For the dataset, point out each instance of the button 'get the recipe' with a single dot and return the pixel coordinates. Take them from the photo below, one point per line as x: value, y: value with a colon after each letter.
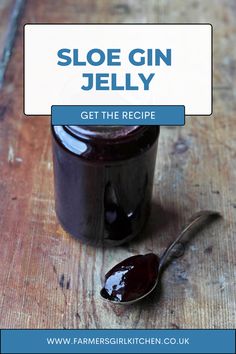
x: 116, y: 115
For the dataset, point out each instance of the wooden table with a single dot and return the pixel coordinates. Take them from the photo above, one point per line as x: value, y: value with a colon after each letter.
x: 47, y: 279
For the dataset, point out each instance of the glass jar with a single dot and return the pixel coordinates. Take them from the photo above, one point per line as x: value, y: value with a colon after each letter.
x: 103, y: 180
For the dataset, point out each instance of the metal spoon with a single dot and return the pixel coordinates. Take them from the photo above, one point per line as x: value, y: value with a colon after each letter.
x: 119, y: 272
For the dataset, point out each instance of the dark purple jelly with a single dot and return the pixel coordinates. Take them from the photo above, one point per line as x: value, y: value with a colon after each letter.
x: 131, y: 279
x: 103, y: 180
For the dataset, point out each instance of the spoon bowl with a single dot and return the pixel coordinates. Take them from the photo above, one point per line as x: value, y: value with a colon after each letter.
x: 134, y: 300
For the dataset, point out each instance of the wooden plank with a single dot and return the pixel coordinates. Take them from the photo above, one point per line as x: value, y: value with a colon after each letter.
x: 10, y: 11
x: 48, y: 281
x: 5, y: 13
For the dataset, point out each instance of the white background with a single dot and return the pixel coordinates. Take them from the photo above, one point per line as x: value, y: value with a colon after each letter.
x: 186, y: 82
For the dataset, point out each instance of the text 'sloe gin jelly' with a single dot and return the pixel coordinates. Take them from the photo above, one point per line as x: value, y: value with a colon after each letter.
x: 103, y: 180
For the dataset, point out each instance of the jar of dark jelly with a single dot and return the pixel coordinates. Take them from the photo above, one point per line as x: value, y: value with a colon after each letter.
x: 103, y: 180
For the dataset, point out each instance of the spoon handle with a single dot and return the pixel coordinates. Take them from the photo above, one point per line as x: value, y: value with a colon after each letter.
x: 191, y: 223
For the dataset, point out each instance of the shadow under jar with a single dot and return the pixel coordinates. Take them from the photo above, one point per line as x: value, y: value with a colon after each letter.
x: 103, y: 180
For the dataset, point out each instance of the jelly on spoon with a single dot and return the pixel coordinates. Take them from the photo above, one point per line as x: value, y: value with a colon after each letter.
x: 136, y: 277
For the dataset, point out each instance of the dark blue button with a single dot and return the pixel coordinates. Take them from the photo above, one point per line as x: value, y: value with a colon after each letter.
x: 118, y: 115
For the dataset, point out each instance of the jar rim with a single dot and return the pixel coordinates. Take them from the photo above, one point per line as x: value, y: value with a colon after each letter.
x: 104, y: 132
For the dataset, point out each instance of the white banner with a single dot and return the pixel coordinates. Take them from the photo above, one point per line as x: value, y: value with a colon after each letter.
x: 118, y: 65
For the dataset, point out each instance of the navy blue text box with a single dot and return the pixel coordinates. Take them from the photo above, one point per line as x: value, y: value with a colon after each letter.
x: 118, y: 115
x: 117, y: 341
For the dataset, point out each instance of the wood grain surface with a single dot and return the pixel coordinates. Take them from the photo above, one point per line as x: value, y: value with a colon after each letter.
x: 5, y: 14
x: 47, y: 279
x: 10, y: 11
